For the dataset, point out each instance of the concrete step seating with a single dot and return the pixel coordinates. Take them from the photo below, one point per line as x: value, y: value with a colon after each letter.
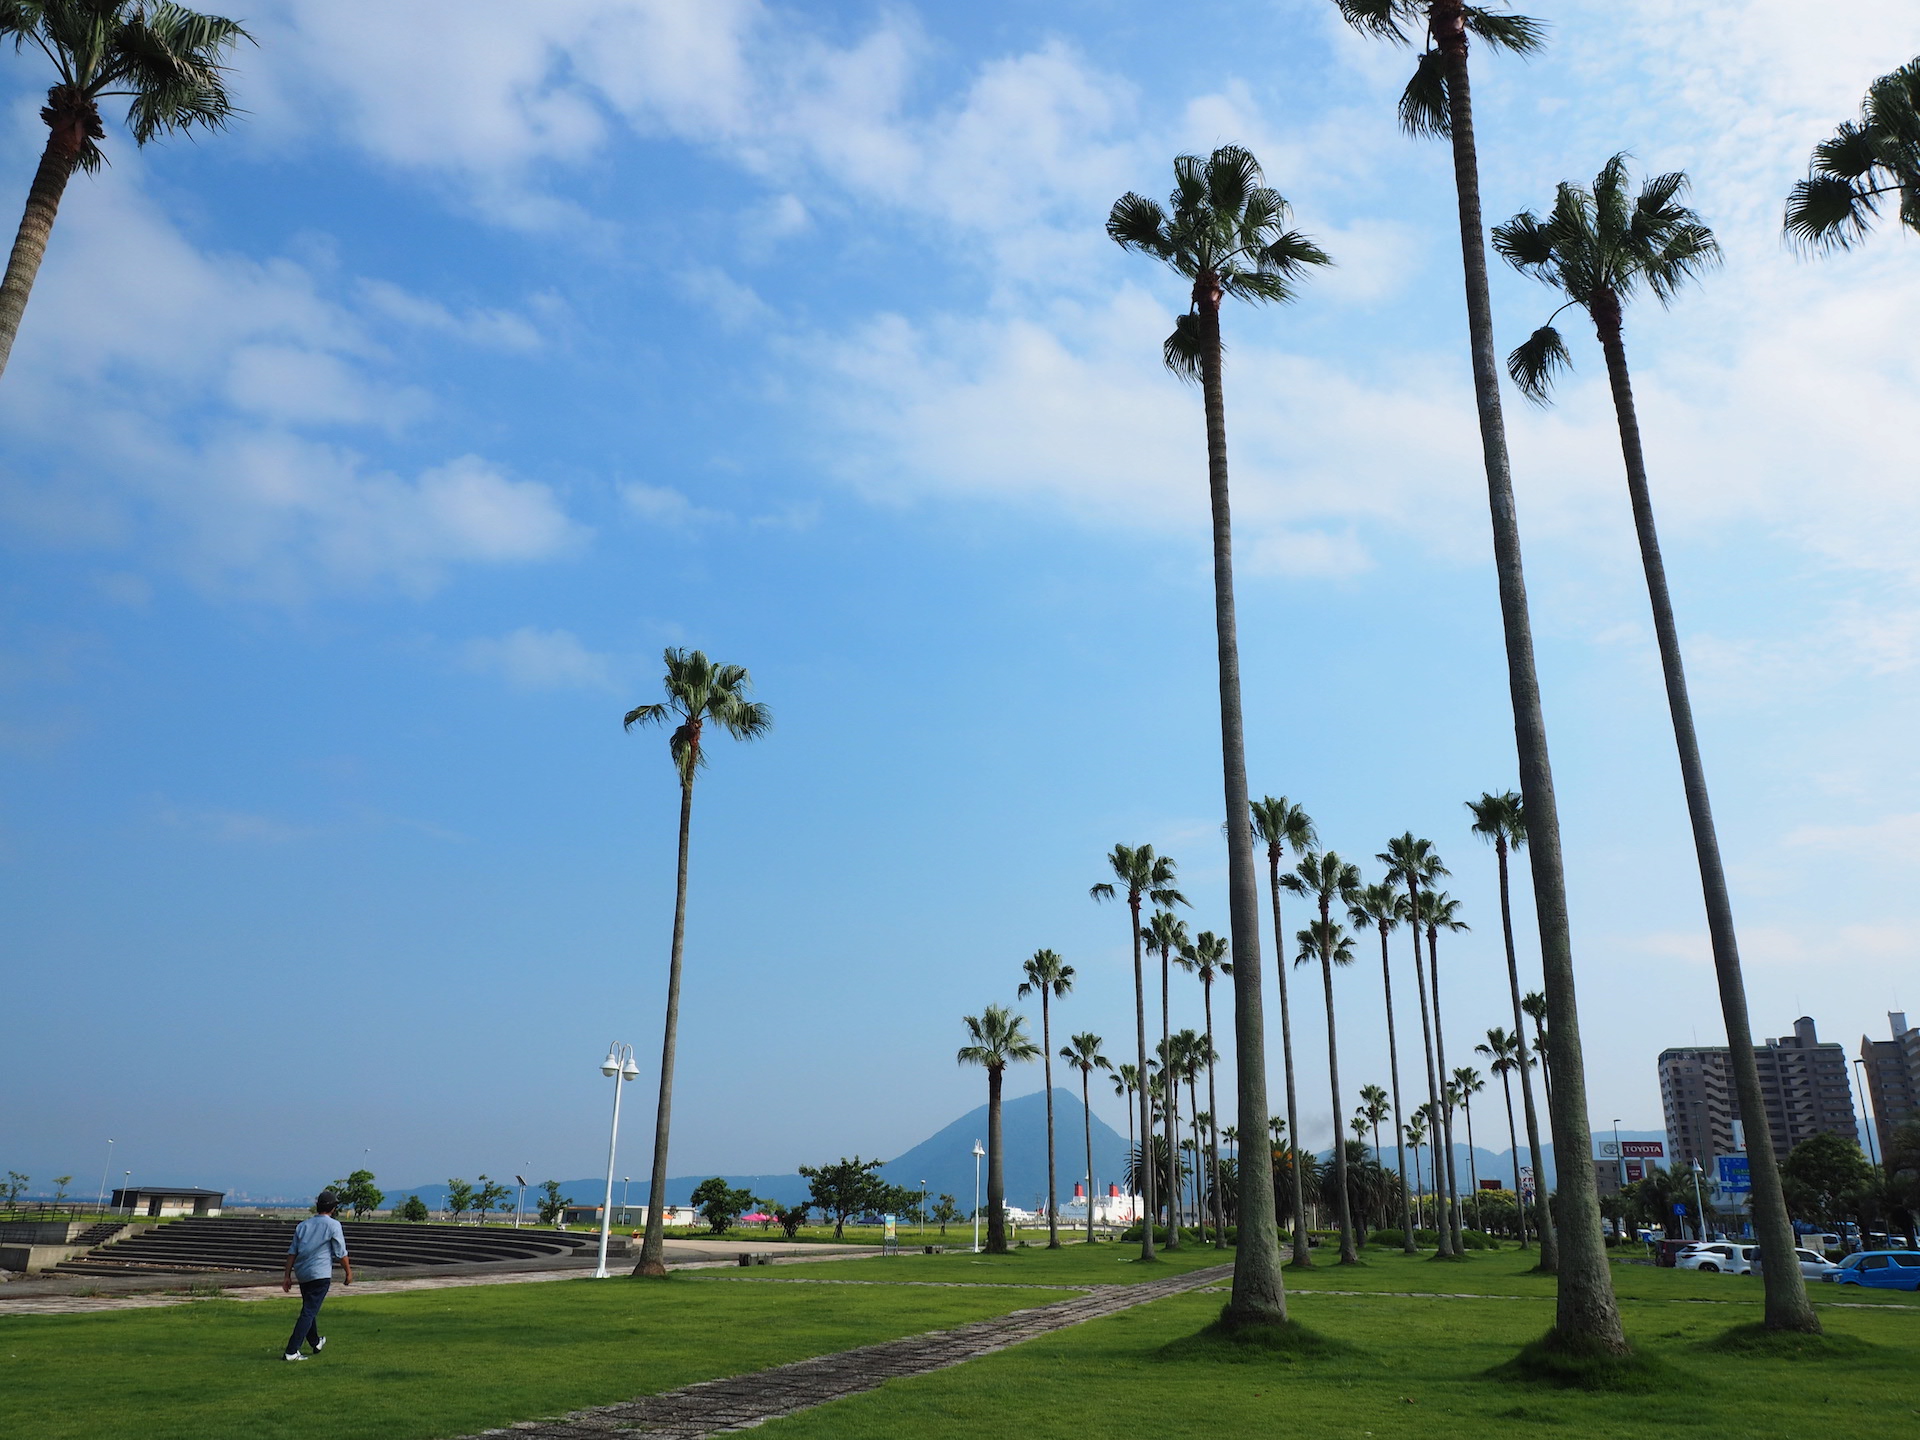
x: 99, y: 1234
x: 205, y: 1243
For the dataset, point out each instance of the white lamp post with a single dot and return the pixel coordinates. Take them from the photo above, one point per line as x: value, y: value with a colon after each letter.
x: 1699, y: 1210
x: 619, y: 1068
x: 518, y: 1198
x: 923, y: 1209
x: 103, y: 1176
x: 978, y: 1151
x: 626, y: 1213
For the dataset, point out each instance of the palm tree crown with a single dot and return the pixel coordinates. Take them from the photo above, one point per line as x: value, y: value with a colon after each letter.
x: 700, y: 691
x: 999, y: 1039
x: 1423, y: 104
x: 1865, y: 160
x: 1047, y: 974
x: 1224, y: 230
x: 1499, y: 819
x: 1597, y: 248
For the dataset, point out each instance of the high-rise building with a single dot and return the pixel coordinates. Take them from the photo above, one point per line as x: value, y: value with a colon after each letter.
x: 1803, y: 1083
x: 1893, y: 1075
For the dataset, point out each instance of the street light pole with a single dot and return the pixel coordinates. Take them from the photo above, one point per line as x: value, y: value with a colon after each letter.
x: 626, y: 1216
x: 518, y: 1198
x: 978, y: 1151
x: 1860, y: 1078
x: 1619, y: 1155
x: 106, y: 1170
x: 1699, y: 1206
x: 618, y: 1067
x: 923, y: 1209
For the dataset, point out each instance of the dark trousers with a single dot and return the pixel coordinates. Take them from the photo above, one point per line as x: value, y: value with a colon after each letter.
x: 307, y: 1328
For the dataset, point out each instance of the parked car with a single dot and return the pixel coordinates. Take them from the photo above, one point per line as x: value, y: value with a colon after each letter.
x: 1718, y: 1256
x: 1813, y: 1265
x: 1879, y: 1270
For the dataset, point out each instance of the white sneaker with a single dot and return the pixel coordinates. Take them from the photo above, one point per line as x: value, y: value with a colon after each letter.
x: 319, y: 1344
x: 295, y: 1356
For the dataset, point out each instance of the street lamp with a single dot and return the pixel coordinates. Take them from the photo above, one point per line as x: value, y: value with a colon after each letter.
x: 978, y: 1151
x: 619, y: 1068
x: 1699, y: 1207
x: 1619, y: 1156
x: 126, y: 1185
x: 923, y: 1209
x: 104, y: 1172
x: 1860, y: 1077
x: 522, y: 1195
x: 626, y: 1215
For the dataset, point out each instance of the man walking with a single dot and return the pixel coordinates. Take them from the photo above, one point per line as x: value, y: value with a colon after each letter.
x: 317, y: 1242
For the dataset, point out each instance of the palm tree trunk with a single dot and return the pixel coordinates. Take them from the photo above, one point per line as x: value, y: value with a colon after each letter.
x: 1086, y: 1114
x: 1586, y: 1312
x: 1513, y: 1145
x: 1446, y: 1104
x: 1343, y: 1212
x: 57, y: 162
x: 1543, y: 1216
x: 1213, y: 1133
x: 1302, y: 1256
x: 1393, y: 1069
x: 1259, y: 1290
x: 1173, y: 1109
x: 653, y: 1248
x: 1787, y: 1306
x: 1046, y: 1055
x: 1146, y: 1117
x: 1443, y: 1249
x: 996, y: 1167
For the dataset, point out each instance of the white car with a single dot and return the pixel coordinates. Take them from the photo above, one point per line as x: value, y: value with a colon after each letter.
x: 1731, y: 1258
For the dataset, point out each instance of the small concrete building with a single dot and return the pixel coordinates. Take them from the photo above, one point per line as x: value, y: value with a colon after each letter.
x: 155, y: 1201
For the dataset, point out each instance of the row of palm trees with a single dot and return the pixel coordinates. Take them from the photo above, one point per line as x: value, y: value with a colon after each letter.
x: 1227, y: 234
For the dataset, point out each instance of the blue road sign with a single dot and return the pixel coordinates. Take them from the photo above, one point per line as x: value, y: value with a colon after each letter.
x: 1736, y: 1178
x: 1678, y: 1208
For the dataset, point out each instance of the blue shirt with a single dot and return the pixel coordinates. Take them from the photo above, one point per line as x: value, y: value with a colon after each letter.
x: 317, y: 1243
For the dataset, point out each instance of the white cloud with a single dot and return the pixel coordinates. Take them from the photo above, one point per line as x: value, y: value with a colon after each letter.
x: 663, y: 505
x: 533, y: 659
x: 489, y: 329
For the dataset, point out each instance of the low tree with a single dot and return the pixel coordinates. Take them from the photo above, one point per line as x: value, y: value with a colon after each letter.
x: 844, y: 1189
x: 414, y: 1211
x: 359, y: 1194
x: 790, y: 1216
x: 459, y: 1198
x: 1819, y: 1173
x: 490, y: 1196
x: 60, y: 1184
x: 15, y: 1187
x: 550, y: 1203
x: 719, y: 1204
x: 946, y: 1210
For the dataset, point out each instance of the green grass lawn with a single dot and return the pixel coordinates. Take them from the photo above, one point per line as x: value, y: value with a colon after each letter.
x: 448, y: 1362
x: 435, y: 1362
x: 1412, y: 1368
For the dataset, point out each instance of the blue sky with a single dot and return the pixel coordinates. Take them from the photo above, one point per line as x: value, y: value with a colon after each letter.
x: 359, y: 462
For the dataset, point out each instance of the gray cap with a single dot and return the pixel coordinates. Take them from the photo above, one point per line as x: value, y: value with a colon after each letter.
x: 327, y: 1201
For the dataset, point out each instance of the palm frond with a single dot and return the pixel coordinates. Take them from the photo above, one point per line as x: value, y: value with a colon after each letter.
x: 1394, y: 20
x: 1233, y: 179
x: 1516, y: 33
x: 1137, y: 223
x: 1183, y: 350
x: 1535, y: 362
x: 1827, y: 212
x: 1523, y: 242
x: 1423, y: 104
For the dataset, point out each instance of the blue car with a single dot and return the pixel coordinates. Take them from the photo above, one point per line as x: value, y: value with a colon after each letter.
x: 1880, y: 1270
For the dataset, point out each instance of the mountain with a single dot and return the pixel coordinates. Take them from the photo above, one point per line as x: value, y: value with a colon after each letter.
x: 944, y: 1161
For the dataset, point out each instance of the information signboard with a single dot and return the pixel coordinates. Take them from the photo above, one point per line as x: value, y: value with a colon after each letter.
x: 1734, y: 1175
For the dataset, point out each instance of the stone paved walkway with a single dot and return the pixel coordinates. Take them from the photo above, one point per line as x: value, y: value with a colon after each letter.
x: 717, y: 1407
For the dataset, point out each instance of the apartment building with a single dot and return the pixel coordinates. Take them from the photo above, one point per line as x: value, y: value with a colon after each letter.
x: 1893, y: 1074
x: 1803, y: 1085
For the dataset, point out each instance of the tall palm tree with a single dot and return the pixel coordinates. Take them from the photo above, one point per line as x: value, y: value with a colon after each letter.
x: 165, y: 61
x: 1415, y: 1132
x: 1535, y: 1004
x: 1416, y: 863
x: 1440, y: 911
x: 1126, y: 1084
x: 699, y: 693
x: 1328, y: 942
x: 1598, y: 248
x: 1166, y: 933
x: 1226, y: 234
x: 1877, y: 156
x: 1207, y: 958
x: 1501, y: 820
x: 1082, y: 1053
x: 1439, y: 101
x: 997, y: 1038
x: 1467, y: 1083
x: 1051, y: 976
x: 1503, y: 1050
x: 1280, y: 826
x: 1142, y: 876
x: 1383, y: 907
x: 1231, y: 1134
x: 1374, y: 1108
